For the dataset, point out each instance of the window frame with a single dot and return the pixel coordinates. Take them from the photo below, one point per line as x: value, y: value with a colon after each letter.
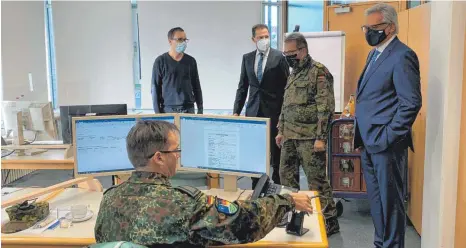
x: 280, y: 31
x: 136, y: 56
x: 51, y: 63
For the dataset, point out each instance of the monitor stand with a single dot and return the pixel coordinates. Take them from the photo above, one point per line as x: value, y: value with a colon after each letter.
x: 230, y: 183
x: 19, y: 144
x: 19, y: 138
x: 69, y: 152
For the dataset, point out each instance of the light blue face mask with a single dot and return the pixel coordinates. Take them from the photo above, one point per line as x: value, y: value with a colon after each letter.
x: 181, y: 47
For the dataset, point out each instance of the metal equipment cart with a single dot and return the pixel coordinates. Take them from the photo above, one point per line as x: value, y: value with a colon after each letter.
x: 344, y: 164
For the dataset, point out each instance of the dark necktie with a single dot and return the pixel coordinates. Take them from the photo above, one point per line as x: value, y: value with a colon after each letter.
x: 259, y: 67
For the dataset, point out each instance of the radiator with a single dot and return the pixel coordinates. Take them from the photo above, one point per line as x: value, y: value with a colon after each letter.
x: 14, y: 175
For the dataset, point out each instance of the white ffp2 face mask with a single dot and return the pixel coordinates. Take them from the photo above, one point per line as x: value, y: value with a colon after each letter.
x: 263, y: 45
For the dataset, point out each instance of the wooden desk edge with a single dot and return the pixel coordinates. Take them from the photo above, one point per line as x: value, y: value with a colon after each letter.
x: 38, y: 161
x: 323, y: 231
x: 32, y: 240
x: 280, y: 244
x: 48, y: 147
x: 36, y: 166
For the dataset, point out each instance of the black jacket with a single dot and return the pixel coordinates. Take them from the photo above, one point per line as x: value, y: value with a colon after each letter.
x: 266, y: 97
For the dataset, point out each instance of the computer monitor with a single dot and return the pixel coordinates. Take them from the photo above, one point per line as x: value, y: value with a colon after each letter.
x: 68, y: 112
x: 99, y: 143
x: 235, y: 146
x: 35, y: 117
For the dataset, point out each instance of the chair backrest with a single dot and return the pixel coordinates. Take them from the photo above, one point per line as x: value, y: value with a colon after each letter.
x: 92, y: 185
x: 117, y: 244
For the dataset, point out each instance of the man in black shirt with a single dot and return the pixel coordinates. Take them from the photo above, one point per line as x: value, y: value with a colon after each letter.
x: 175, y: 80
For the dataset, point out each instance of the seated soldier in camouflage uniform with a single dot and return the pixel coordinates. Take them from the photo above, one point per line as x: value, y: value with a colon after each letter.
x: 147, y: 210
x: 303, y: 126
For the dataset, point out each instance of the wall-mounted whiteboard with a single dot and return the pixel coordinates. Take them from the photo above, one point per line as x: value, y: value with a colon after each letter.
x: 328, y: 48
x: 219, y: 32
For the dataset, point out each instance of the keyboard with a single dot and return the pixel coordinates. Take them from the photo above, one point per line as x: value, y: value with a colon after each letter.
x: 276, y: 189
x: 273, y: 189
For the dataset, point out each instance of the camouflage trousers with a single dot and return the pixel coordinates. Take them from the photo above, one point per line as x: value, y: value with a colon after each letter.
x: 301, y: 152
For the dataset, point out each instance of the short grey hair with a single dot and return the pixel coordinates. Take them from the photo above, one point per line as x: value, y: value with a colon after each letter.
x: 388, y: 12
x: 146, y: 138
x: 299, y: 38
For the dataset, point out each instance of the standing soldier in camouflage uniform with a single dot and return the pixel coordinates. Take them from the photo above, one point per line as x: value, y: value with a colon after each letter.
x: 147, y: 210
x: 307, y: 110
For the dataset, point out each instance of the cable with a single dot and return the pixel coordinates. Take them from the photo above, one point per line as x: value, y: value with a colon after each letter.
x: 30, y: 142
x: 6, y: 178
x: 7, y: 193
x: 25, y: 143
x: 240, y: 194
x: 211, y: 177
x: 8, y: 154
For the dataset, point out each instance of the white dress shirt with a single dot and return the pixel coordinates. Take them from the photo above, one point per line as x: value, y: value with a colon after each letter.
x: 264, y: 61
x: 383, y: 46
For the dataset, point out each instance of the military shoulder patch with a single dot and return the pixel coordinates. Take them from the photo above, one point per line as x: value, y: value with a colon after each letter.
x: 225, y: 207
x: 318, y: 64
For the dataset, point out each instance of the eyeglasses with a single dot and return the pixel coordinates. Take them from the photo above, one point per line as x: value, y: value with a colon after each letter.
x: 379, y: 26
x: 173, y: 151
x: 291, y: 52
x: 180, y: 40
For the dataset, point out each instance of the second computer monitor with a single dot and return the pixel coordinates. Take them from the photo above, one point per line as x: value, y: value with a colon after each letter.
x: 68, y: 112
x: 100, y: 143
x: 226, y: 145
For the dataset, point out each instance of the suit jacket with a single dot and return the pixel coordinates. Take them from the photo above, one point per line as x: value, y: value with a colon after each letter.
x: 265, y: 97
x: 388, y: 99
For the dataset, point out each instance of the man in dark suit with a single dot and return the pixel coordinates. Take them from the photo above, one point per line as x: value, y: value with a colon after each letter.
x: 387, y: 103
x: 263, y: 73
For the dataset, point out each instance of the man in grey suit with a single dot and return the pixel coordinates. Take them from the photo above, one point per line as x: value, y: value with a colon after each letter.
x: 263, y: 73
x: 387, y: 103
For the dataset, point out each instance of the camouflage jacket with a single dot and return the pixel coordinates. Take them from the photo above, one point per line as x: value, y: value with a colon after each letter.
x: 309, y: 102
x: 146, y: 210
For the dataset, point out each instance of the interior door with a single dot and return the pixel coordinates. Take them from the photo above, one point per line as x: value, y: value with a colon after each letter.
x: 356, y: 45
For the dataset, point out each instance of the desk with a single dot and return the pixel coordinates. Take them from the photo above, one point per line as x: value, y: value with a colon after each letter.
x: 79, y: 235
x: 82, y: 234
x: 53, y: 159
x: 316, y: 237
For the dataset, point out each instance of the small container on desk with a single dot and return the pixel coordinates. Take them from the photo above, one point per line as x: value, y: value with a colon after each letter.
x: 344, y: 170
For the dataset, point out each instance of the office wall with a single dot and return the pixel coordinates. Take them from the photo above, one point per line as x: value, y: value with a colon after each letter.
x: 356, y: 45
x: 418, y: 39
x: 23, y: 50
x: 94, y: 50
x: 403, y: 21
x: 93, y: 41
x: 442, y: 144
x: 460, y: 236
x: 219, y: 33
